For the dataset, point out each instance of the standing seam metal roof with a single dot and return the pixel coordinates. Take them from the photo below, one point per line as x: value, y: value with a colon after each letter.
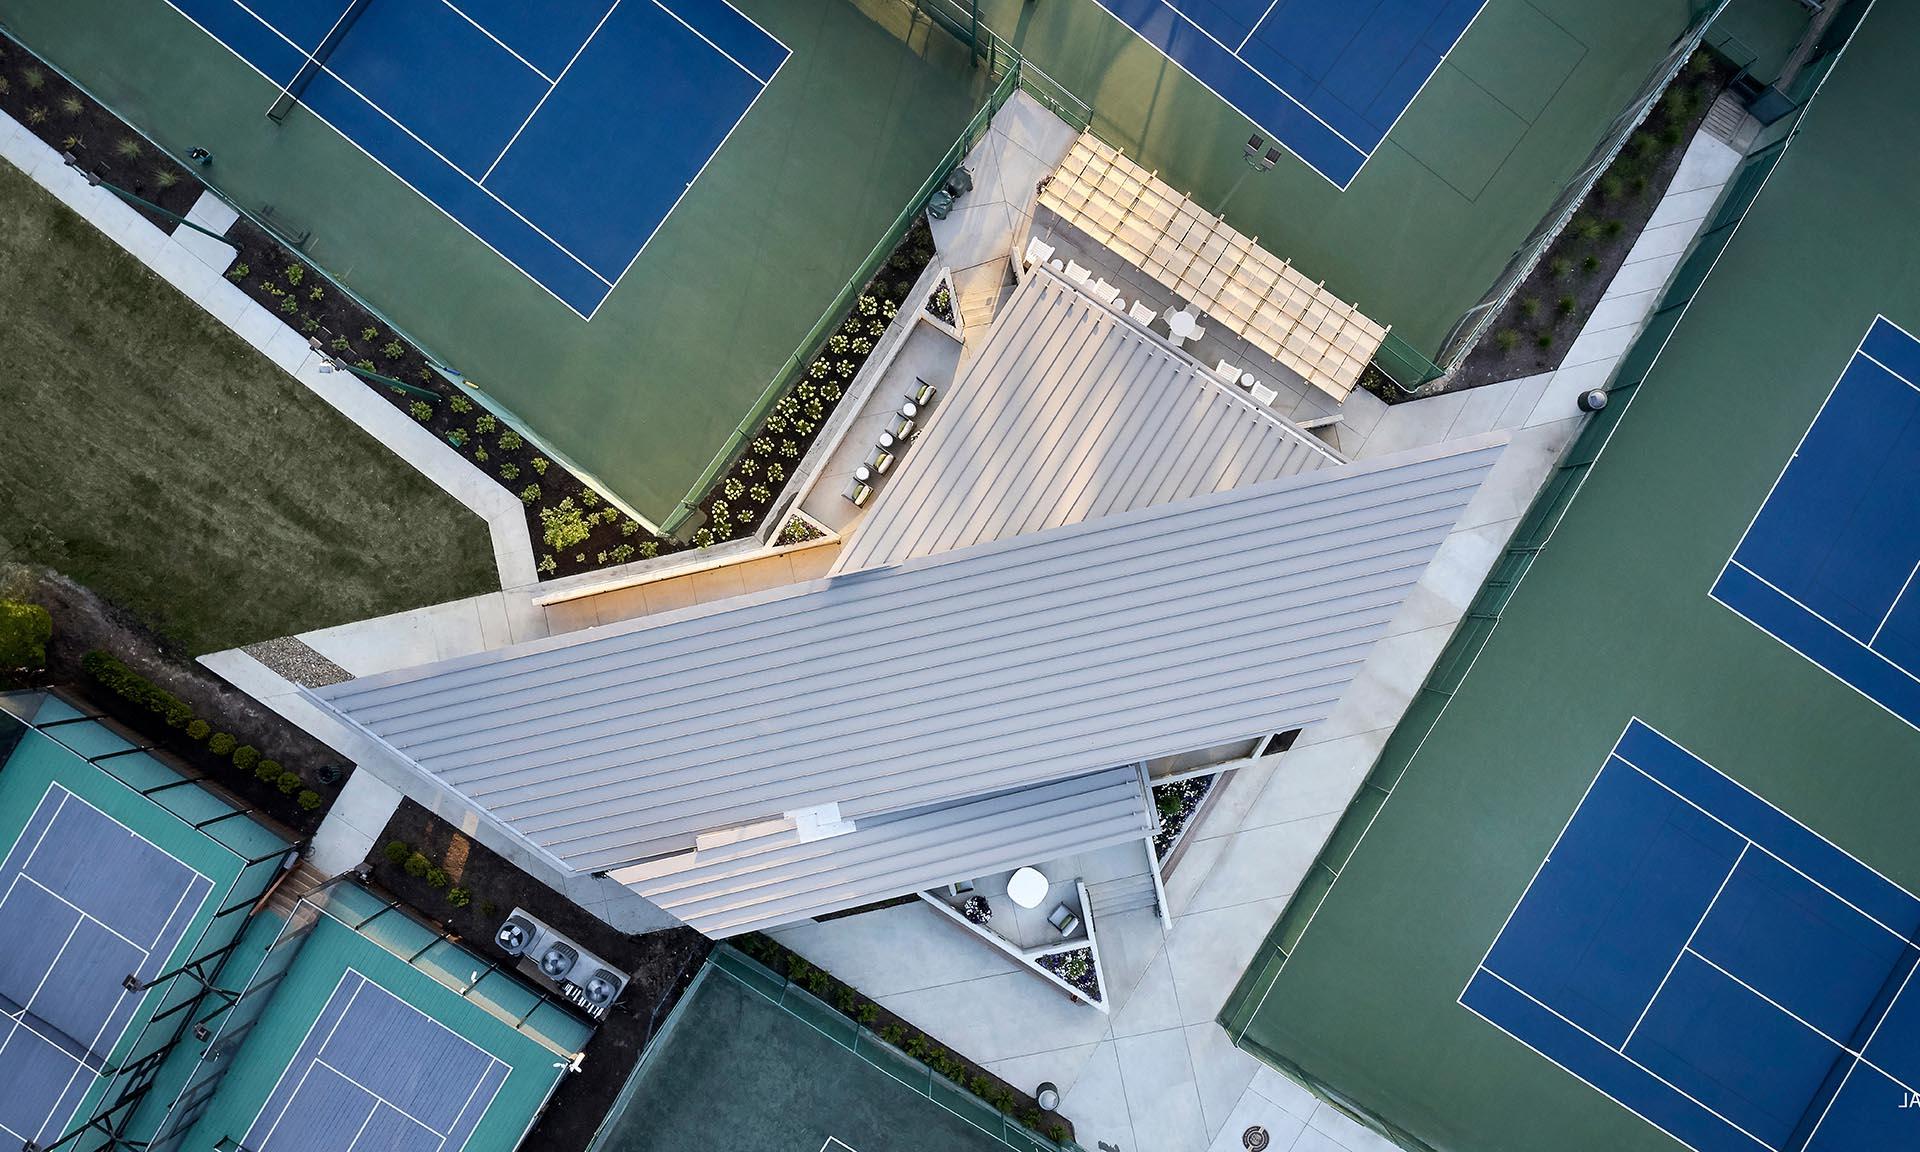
x: 1041, y: 657
x: 1070, y: 412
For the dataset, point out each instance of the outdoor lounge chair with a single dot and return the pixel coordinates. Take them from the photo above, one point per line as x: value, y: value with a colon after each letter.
x: 902, y: 427
x: 1037, y: 253
x: 923, y: 392
x: 1103, y: 291
x: 1076, y: 273
x: 1139, y: 311
x: 857, y: 492
x: 1263, y: 394
x: 1228, y: 372
x: 880, y: 461
x: 1064, y: 921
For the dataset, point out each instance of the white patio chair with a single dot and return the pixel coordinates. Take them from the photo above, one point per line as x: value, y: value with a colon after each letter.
x: 1228, y: 372
x: 1076, y: 273
x: 1263, y: 394
x: 1037, y: 253
x: 1139, y: 311
x: 1102, y: 291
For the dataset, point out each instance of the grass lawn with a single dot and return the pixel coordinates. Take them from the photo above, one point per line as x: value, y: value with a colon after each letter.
x: 147, y: 452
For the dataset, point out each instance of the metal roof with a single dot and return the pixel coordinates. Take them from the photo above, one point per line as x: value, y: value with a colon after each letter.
x: 1070, y: 412
x: 777, y: 878
x: 1040, y: 657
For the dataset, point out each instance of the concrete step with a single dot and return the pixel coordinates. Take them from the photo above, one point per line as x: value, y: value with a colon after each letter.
x: 1122, y: 895
x: 304, y: 879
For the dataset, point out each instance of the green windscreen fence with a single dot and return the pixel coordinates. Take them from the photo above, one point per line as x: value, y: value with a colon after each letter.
x: 1423, y: 713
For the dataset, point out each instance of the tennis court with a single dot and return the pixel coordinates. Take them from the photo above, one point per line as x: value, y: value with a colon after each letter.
x: 1827, y: 566
x: 1328, y: 78
x: 376, y: 1072
x: 87, y: 907
x: 521, y: 122
x: 1713, y: 965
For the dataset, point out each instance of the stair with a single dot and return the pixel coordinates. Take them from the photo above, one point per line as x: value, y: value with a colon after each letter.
x: 1123, y: 895
x: 304, y: 879
x: 1726, y: 119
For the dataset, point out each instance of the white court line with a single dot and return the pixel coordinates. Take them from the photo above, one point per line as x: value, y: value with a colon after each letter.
x: 286, y: 92
x: 381, y: 1099
x: 1796, y: 602
x: 1883, y: 365
x: 288, y: 1070
x: 1768, y: 852
x: 83, y: 913
x: 448, y: 213
x: 1650, y: 1072
x: 1902, y: 595
x: 1684, y: 948
x: 541, y: 103
x: 1271, y: 5
x: 482, y: 28
x: 362, y: 1130
x: 710, y: 43
x: 1859, y: 1057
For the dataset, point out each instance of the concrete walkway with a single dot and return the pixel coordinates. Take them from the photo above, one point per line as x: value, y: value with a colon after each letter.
x: 1159, y: 1075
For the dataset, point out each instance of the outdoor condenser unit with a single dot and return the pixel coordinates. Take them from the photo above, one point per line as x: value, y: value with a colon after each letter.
x: 583, y: 978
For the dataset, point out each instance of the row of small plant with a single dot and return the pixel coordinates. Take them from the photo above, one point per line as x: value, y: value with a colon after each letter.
x: 1624, y: 183
x: 418, y: 865
x: 741, y: 498
x: 110, y: 673
x: 902, y: 1035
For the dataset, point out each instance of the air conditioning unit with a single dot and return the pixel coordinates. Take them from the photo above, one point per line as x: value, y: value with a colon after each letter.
x: 584, y: 979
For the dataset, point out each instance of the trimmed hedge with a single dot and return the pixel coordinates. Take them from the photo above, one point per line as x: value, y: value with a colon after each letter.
x: 110, y: 673
x: 24, y: 632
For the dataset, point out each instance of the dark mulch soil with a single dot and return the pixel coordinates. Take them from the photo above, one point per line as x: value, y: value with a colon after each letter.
x: 1585, y: 256
x: 61, y: 115
x: 83, y: 622
x: 740, y: 498
x: 310, y: 305
x: 659, y: 965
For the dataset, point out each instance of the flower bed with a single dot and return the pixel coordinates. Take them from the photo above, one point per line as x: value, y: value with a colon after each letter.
x: 1176, y: 804
x: 68, y: 121
x: 739, y: 500
x: 905, y: 1036
x: 1076, y: 967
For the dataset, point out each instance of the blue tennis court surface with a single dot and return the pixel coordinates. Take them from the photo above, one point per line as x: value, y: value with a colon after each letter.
x: 377, y: 1074
x: 561, y: 134
x: 1714, y: 965
x: 84, y: 903
x: 1827, y: 566
x: 1327, y: 78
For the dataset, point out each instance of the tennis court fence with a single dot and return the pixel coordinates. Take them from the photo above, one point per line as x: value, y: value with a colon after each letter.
x: 1476, y: 628
x: 1008, y: 72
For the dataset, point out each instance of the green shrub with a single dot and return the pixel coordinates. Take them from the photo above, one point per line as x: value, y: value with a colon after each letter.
x: 128, y: 148
x: 1590, y: 263
x: 459, y: 897
x: 1587, y: 228
x: 1507, y: 339
x: 529, y: 494
x: 71, y: 105
x: 198, y: 730
x: 245, y: 757
x: 1613, y: 227
x: 397, y: 851
x: 393, y: 350
x: 436, y: 878
x: 420, y: 410
x: 1544, y: 340
x: 1558, y: 267
x: 540, y: 463
x: 221, y: 744
x: 1565, y: 305
x: 33, y: 77
x: 266, y: 771
x: 24, y: 632
x: 1529, y: 306
x: 369, y: 334
x: 562, y: 526
x: 1611, y: 186
x: 289, y: 783
x: 308, y: 800
x: 239, y: 271
x: 124, y: 682
x: 417, y: 865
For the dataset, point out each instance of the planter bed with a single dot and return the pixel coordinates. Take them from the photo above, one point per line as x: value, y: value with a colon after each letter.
x: 659, y: 965
x: 740, y: 499
x: 1538, y: 325
x: 176, y: 708
x: 906, y: 1036
x: 68, y: 120
x: 1176, y: 804
x: 1076, y: 967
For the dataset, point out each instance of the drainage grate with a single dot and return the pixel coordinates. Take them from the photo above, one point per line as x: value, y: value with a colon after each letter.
x: 1255, y: 1138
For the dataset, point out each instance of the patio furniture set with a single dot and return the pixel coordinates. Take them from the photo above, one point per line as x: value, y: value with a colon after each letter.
x: 1182, y: 323
x: 900, y: 430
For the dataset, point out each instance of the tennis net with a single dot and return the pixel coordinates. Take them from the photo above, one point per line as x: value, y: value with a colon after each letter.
x: 296, y: 87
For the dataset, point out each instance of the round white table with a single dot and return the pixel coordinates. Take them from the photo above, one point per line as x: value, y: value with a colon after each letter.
x: 1181, y: 324
x: 1027, y: 887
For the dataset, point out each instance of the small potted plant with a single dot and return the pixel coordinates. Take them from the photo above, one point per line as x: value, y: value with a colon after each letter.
x: 977, y: 910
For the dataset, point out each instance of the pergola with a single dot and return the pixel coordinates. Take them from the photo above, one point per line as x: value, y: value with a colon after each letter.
x: 1201, y: 258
